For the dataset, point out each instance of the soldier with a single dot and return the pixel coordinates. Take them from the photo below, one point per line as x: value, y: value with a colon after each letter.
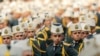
x: 24, y: 25
x: 59, y: 48
x: 92, y: 24
x: 6, y: 48
x: 66, y: 20
x: 85, y: 30
x: 45, y: 32
x: 58, y: 15
x: 16, y: 14
x: 6, y: 35
x: 32, y: 40
x: 85, y: 33
x: 75, y: 18
x: 17, y: 34
x: 30, y: 30
x: 75, y: 37
x: 67, y: 16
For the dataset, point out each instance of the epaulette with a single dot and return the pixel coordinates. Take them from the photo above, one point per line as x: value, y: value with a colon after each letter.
x: 66, y: 44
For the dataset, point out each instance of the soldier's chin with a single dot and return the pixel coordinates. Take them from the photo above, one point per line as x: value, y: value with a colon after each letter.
x: 57, y: 42
x: 77, y: 39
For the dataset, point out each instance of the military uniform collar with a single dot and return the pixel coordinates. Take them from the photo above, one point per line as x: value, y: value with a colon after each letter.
x: 59, y: 45
x: 75, y: 41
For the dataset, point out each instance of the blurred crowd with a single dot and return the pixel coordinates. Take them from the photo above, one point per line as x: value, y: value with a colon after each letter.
x: 50, y: 28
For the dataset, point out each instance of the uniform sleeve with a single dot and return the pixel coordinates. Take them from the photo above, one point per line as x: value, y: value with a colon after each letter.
x: 71, y: 51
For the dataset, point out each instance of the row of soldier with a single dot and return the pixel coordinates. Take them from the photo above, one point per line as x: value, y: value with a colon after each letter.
x: 48, y: 30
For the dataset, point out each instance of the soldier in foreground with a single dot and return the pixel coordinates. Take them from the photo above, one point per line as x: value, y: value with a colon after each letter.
x: 59, y: 48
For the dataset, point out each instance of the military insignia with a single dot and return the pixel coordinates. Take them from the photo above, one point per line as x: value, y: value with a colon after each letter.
x: 86, y: 27
x: 76, y: 26
x: 57, y: 30
x: 6, y: 31
x: 18, y: 29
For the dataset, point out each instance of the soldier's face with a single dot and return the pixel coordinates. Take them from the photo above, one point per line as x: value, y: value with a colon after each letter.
x: 27, y: 53
x: 30, y: 33
x: 47, y: 22
x: 76, y: 35
x: 84, y: 34
x: 19, y: 36
x: 6, y: 39
x: 57, y: 38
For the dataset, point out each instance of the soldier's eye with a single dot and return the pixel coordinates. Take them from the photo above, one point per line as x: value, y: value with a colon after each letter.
x: 6, y: 38
x: 19, y: 35
x: 57, y: 35
x: 75, y: 33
